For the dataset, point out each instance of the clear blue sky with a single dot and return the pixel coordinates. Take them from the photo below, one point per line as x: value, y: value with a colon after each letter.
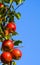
x: 28, y: 28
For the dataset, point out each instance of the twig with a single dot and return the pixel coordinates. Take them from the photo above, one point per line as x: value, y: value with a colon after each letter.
x: 19, y: 46
x: 18, y: 6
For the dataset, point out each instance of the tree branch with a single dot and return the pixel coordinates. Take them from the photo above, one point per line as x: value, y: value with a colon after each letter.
x: 18, y: 6
x: 8, y: 9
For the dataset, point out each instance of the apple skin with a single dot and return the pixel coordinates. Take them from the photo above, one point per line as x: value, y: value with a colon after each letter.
x: 1, y: 5
x: 7, y: 45
x: 16, y: 54
x: 11, y: 26
x: 6, y: 57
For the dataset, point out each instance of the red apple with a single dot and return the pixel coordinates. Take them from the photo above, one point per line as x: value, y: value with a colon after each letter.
x: 0, y: 57
x: 11, y: 26
x: 16, y: 54
x: 1, y: 5
x: 6, y: 57
x: 7, y: 45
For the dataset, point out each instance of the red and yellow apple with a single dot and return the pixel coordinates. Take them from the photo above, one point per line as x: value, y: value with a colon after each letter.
x: 1, y: 5
x: 16, y: 54
x: 11, y: 26
x: 6, y: 57
x: 7, y: 45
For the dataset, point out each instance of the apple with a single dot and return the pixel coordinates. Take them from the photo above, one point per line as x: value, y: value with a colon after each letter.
x: 1, y: 5
x: 7, y: 45
x: 6, y: 57
x: 11, y: 26
x: 16, y: 54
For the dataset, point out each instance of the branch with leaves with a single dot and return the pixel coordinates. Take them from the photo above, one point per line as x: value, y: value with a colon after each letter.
x: 9, y: 48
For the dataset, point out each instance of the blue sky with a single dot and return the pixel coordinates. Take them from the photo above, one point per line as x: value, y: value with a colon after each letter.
x: 28, y: 28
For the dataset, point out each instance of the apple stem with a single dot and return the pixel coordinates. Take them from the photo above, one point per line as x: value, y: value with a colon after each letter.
x: 8, y: 63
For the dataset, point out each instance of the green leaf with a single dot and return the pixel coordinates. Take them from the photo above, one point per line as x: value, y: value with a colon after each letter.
x: 6, y: 1
x: 13, y: 63
x: 0, y: 1
x: 0, y: 34
x: 14, y: 33
x: 17, y: 15
x: 19, y: 1
x: 1, y: 39
x: 11, y: 1
x: 7, y: 37
x: 11, y: 18
x: 17, y: 42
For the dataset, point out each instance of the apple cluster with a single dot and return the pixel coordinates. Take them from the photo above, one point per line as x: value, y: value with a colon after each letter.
x: 9, y: 52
